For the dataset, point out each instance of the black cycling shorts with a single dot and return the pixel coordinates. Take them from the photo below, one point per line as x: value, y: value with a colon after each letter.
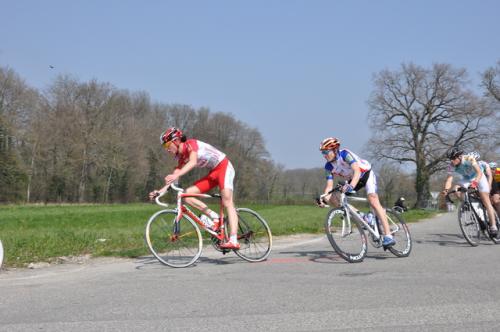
x: 362, y: 181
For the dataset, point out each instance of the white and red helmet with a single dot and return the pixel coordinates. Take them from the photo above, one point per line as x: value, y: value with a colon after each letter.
x: 330, y: 143
x: 171, y: 134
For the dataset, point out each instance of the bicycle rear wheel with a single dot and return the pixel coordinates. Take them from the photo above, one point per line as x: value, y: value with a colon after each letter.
x: 346, y: 236
x: 469, y: 225
x: 401, y: 234
x: 175, y: 244
x: 254, y: 236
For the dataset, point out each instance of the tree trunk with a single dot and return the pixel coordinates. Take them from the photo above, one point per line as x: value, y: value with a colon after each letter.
x: 83, y: 176
x: 108, y: 184
x: 30, y: 176
x: 422, y: 187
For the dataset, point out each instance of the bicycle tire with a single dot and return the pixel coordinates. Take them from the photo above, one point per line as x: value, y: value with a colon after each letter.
x: 401, y: 234
x: 254, y: 236
x: 173, y: 244
x: 348, y: 241
x: 469, y: 225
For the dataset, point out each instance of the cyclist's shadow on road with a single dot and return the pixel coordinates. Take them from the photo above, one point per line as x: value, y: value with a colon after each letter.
x: 444, y: 240
x: 151, y: 262
x: 322, y: 256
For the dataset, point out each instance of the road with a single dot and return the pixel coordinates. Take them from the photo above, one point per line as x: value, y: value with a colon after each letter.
x: 445, y: 285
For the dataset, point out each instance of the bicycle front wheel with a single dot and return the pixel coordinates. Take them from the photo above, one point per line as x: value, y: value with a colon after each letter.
x: 469, y: 225
x: 346, y: 236
x: 254, y: 236
x: 175, y: 244
x: 401, y: 234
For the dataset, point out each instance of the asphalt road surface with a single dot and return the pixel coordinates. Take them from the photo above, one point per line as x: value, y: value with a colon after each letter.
x: 445, y: 285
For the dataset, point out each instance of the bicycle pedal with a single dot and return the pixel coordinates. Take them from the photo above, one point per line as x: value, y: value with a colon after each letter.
x: 387, y: 247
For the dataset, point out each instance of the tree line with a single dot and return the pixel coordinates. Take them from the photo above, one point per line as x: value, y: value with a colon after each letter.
x: 92, y: 142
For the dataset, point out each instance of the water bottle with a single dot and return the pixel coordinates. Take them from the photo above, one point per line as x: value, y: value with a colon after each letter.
x: 207, y: 221
x: 369, y: 218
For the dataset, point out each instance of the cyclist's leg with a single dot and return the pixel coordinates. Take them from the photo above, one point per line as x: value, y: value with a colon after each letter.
x: 225, y: 178
x: 495, y: 201
x: 495, y: 196
x: 458, y: 194
x: 227, y: 201
x: 201, y: 186
x: 484, y: 193
x: 379, y: 211
x: 371, y: 190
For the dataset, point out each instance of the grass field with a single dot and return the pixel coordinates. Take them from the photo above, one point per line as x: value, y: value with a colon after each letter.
x: 35, y: 233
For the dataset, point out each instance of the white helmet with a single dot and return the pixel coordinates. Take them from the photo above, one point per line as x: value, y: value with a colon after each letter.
x: 476, y: 155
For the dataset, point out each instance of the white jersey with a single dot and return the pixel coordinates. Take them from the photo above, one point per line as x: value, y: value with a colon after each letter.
x: 208, y: 156
x: 341, y: 165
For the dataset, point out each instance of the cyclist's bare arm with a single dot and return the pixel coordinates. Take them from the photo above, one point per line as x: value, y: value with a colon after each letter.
x: 447, y: 184
x: 322, y: 202
x: 479, y: 172
x: 328, y: 188
x: 193, y: 159
x: 356, y: 175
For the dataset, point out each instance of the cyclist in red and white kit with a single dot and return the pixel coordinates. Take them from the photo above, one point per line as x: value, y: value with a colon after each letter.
x: 192, y: 153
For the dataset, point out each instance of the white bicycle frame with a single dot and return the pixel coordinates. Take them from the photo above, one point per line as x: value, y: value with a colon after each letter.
x: 351, y: 210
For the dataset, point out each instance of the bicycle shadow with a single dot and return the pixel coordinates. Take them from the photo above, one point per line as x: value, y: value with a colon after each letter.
x: 145, y: 262
x: 328, y: 257
x: 318, y: 256
x: 445, y: 240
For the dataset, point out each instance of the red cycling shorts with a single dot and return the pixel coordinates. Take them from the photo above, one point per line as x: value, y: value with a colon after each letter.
x: 221, y: 175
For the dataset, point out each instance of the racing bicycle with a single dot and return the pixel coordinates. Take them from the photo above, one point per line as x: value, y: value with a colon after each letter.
x: 173, y: 235
x: 472, y: 217
x: 345, y: 228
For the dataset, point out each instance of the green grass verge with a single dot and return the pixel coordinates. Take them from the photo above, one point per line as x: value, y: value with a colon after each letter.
x: 33, y: 233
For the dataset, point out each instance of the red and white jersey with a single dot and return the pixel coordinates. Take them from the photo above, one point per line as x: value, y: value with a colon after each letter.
x: 208, y: 156
x: 341, y: 165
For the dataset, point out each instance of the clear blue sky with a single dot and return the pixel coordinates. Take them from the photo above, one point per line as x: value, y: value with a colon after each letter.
x: 298, y: 71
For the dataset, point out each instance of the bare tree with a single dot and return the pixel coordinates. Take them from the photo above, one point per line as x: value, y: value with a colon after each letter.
x: 417, y: 114
x: 394, y: 183
x: 88, y: 141
x: 491, y: 84
x: 17, y: 102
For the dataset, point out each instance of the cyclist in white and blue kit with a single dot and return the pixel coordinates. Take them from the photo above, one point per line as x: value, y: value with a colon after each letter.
x: 358, y: 172
x: 466, y: 166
